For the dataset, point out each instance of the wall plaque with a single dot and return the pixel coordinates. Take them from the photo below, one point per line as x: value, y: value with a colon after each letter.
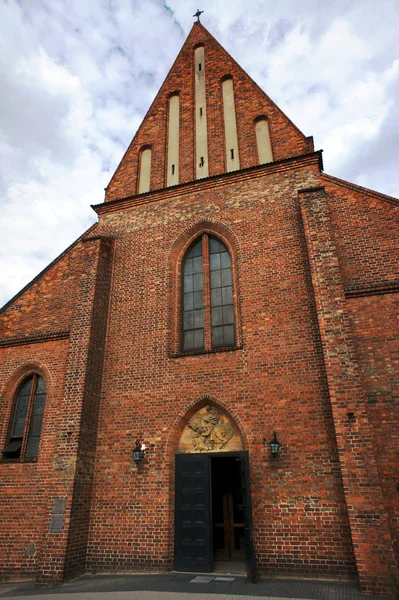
x: 58, y: 506
x: 56, y: 523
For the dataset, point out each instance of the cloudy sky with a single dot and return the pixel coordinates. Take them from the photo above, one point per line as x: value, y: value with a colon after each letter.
x: 77, y: 77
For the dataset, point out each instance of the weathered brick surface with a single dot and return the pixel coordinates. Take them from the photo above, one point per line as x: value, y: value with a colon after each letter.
x: 250, y: 101
x: 316, y: 304
x: 276, y: 379
x: 365, y: 228
x: 367, y: 513
x: 72, y: 371
x: 375, y: 326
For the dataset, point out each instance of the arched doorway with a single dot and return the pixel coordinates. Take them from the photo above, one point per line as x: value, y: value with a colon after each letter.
x: 213, y: 517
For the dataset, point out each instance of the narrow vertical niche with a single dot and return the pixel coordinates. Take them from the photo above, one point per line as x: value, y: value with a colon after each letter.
x: 173, y: 141
x: 201, y: 133
x: 263, y: 142
x: 145, y: 170
x: 230, y: 126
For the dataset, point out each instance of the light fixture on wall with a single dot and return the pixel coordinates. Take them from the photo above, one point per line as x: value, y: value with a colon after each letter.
x: 274, y: 446
x: 139, y: 453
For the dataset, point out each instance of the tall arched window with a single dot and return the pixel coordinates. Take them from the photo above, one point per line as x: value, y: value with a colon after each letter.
x: 207, y: 289
x: 26, y: 426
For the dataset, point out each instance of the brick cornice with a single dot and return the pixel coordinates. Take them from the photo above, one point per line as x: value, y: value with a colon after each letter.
x: 354, y: 291
x: 212, y: 182
x: 34, y: 339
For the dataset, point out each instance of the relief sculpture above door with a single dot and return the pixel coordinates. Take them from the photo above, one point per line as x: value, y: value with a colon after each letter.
x: 209, y: 430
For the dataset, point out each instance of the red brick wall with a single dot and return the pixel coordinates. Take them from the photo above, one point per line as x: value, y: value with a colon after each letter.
x: 250, y: 102
x: 47, y: 304
x: 375, y: 326
x: 72, y: 371
x: 366, y: 234
x: 27, y: 489
x: 275, y: 382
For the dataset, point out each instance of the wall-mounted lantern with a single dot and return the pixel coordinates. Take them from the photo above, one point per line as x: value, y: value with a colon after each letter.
x: 139, y: 453
x: 274, y: 446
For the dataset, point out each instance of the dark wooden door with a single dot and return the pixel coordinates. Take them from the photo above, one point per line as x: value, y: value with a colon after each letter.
x: 247, y: 510
x: 193, y: 513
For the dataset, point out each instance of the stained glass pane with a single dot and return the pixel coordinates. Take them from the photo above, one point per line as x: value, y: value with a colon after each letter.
x: 225, y: 260
x: 218, y: 337
x: 216, y: 297
x: 198, y: 265
x: 215, y: 262
x: 217, y: 316
x: 188, y: 340
x: 198, y: 319
x: 221, y: 294
x: 198, y: 300
x: 228, y: 335
x: 195, y: 250
x: 198, y: 282
x: 21, y: 409
x: 36, y: 425
x: 226, y: 277
x: 188, y: 301
x: 227, y: 295
x: 188, y: 320
x: 32, y: 447
x: 216, y: 280
x: 25, y: 388
x: 198, y: 339
x: 228, y: 314
x: 188, y: 267
x: 193, y: 299
x: 215, y: 245
x: 40, y: 386
x: 188, y: 283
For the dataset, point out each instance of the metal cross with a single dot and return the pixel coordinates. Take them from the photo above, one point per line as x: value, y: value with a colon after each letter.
x: 198, y: 14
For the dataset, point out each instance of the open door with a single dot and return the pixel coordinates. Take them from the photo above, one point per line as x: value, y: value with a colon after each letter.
x: 193, y: 514
x: 213, y: 522
x: 247, y: 510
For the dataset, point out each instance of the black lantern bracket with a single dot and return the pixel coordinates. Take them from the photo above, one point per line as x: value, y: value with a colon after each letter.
x: 139, y: 453
x: 274, y: 445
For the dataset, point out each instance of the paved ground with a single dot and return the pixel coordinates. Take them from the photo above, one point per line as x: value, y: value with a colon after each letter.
x: 176, y: 586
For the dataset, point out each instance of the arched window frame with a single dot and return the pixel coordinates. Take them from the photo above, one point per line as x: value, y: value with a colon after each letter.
x: 176, y: 258
x: 25, y: 454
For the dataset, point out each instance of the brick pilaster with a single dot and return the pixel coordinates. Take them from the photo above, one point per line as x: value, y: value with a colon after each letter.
x: 82, y: 389
x: 368, y: 520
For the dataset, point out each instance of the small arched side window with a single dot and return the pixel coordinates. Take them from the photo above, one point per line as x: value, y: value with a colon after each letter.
x: 26, y: 426
x: 207, y: 303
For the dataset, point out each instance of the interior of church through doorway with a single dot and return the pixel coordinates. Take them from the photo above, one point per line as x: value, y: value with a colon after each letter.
x: 228, y: 542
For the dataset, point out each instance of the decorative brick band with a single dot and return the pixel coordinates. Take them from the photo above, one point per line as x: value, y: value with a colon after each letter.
x: 34, y: 339
x: 372, y: 290
x: 208, y: 182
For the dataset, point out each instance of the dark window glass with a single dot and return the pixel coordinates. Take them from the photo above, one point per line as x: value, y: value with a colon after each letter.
x: 221, y: 295
x: 28, y: 417
x: 193, y: 298
x: 219, y: 279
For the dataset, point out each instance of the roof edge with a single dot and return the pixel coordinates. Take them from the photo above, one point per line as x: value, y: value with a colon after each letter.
x: 53, y: 262
x: 360, y: 188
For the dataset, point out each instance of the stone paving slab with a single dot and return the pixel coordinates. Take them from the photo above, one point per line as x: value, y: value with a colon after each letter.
x: 179, y: 586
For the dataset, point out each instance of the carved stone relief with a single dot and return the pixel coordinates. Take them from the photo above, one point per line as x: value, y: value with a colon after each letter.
x: 209, y: 430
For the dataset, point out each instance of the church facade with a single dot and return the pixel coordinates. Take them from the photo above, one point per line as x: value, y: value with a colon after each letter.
x: 231, y: 294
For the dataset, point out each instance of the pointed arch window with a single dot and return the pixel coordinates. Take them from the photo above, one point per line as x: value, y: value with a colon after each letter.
x: 27, y: 418
x: 207, y: 296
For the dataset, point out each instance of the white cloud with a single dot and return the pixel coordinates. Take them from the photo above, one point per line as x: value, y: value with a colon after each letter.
x: 76, y: 82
